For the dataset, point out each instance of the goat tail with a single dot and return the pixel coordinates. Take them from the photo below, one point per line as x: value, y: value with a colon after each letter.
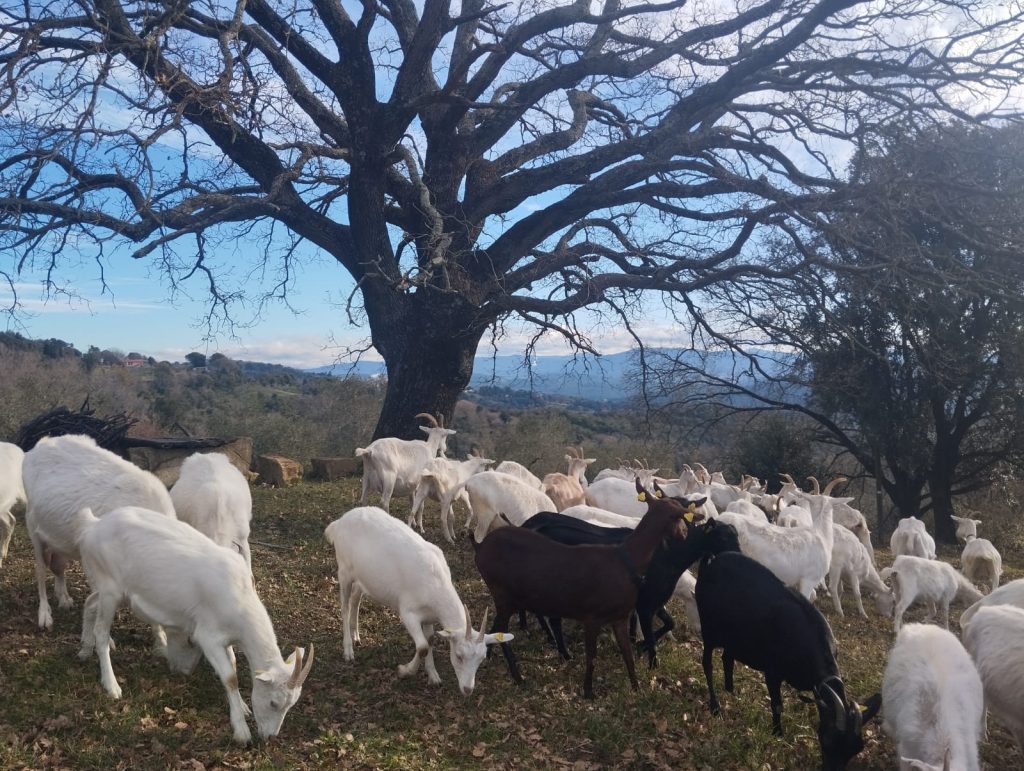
x: 965, y: 590
x: 329, y: 532
x: 84, y: 520
x: 361, y: 451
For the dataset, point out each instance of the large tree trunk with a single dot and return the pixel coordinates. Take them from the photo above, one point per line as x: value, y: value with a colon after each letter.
x: 942, y: 505
x: 428, y: 341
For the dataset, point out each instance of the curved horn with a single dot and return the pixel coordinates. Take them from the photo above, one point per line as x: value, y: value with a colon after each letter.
x: 829, y: 697
x: 579, y: 449
x: 833, y: 483
x: 429, y: 418
x: 483, y: 625
x: 469, y: 625
x: 440, y: 420
x: 307, y: 664
x: 817, y: 487
x: 787, y: 478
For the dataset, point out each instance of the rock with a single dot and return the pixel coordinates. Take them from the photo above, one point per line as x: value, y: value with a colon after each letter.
x: 166, y: 463
x: 332, y: 469
x: 278, y: 470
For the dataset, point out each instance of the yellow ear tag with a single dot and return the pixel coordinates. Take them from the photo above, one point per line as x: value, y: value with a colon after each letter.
x: 659, y: 494
x: 688, y: 516
x: 642, y: 497
x: 499, y: 636
x: 862, y: 707
x: 691, y: 509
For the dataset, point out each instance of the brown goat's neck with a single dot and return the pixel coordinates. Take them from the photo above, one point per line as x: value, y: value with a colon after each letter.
x: 645, y: 539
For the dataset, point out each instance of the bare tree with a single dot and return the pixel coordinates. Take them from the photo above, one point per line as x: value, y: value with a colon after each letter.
x: 464, y: 163
x: 915, y: 370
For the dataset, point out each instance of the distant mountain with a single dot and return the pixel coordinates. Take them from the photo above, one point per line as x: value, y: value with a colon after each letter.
x: 608, y: 378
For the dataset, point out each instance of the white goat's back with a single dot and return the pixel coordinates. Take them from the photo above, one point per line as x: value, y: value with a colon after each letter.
x: 65, y: 474
x: 995, y: 638
x: 11, y: 487
x: 601, y: 517
x: 212, y: 496
x: 1007, y: 594
x: 617, y: 495
x: 911, y: 538
x: 492, y: 493
x: 982, y: 561
x: 520, y: 472
x: 933, y: 698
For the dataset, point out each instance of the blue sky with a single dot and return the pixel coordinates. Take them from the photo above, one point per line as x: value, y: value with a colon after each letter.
x: 140, y: 312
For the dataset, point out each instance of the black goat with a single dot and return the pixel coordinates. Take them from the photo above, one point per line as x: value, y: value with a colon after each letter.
x: 667, y: 565
x: 756, y: 620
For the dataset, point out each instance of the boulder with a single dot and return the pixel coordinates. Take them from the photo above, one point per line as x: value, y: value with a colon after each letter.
x: 165, y: 462
x: 332, y: 469
x: 277, y: 470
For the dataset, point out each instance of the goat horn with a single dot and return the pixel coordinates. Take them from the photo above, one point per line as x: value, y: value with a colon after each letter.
x: 440, y: 419
x: 483, y: 625
x: 787, y: 478
x: 429, y: 418
x: 828, y: 697
x: 833, y: 483
x: 579, y: 449
x: 817, y: 487
x: 307, y: 664
x: 469, y: 624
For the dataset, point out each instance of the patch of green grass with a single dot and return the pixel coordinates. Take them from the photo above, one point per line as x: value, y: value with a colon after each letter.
x: 53, y: 713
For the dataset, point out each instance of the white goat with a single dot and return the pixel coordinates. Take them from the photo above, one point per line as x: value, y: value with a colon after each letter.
x: 171, y: 574
x: 392, y: 466
x: 911, y: 538
x: 844, y: 514
x: 386, y: 559
x: 443, y: 480
x: 568, y: 489
x: 11, y: 492
x: 794, y: 515
x: 981, y: 560
x: 798, y: 556
x: 492, y: 493
x: 601, y: 517
x: 934, y: 582
x: 851, y: 565
x: 934, y: 703
x: 64, y: 475
x: 617, y: 495
x: 684, y: 592
x: 213, y: 496
x: 995, y: 638
x: 520, y: 472
x: 747, y: 509
x: 1007, y: 594
x: 966, y: 527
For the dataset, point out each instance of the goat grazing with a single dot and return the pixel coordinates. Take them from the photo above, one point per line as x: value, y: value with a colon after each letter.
x: 443, y: 480
x: 981, y: 560
x: 569, y: 489
x: 392, y: 466
x: 520, y: 472
x: 934, y: 706
x: 64, y: 475
x: 600, y: 516
x: 171, y: 574
x: 11, y: 492
x: 755, y: 619
x: 852, y: 565
x: 995, y: 638
x: 213, y: 496
x: 595, y: 585
x: 1007, y: 594
x: 380, y: 556
x: 492, y: 493
x: 911, y: 538
x: 932, y: 581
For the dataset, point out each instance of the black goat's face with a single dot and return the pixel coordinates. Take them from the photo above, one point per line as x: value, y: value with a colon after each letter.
x: 841, y: 723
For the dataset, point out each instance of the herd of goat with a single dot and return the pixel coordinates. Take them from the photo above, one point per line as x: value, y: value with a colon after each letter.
x: 601, y: 553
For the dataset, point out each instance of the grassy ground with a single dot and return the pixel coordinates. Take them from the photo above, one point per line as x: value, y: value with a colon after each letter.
x: 53, y: 713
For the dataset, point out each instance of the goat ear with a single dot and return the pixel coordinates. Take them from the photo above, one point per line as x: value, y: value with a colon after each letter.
x: 498, y: 637
x: 869, y: 709
x: 976, y: 522
x: 955, y: 518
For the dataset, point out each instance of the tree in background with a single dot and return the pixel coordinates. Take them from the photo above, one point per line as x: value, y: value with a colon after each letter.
x: 916, y: 371
x: 196, y: 359
x: 466, y: 164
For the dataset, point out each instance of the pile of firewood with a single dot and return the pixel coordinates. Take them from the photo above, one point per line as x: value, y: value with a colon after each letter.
x: 109, y: 431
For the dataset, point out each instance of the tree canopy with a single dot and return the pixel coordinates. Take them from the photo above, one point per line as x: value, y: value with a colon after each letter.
x: 916, y: 370
x: 465, y: 163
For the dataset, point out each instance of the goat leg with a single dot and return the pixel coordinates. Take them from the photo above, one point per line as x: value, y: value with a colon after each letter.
x: 774, y: 684
x: 708, y: 663
x: 622, y: 638
x: 554, y: 629
x: 727, y: 664
x: 501, y: 619
x: 649, y: 638
x: 590, y: 631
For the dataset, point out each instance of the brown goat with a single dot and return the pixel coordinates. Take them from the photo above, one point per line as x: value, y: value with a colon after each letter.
x: 593, y: 584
